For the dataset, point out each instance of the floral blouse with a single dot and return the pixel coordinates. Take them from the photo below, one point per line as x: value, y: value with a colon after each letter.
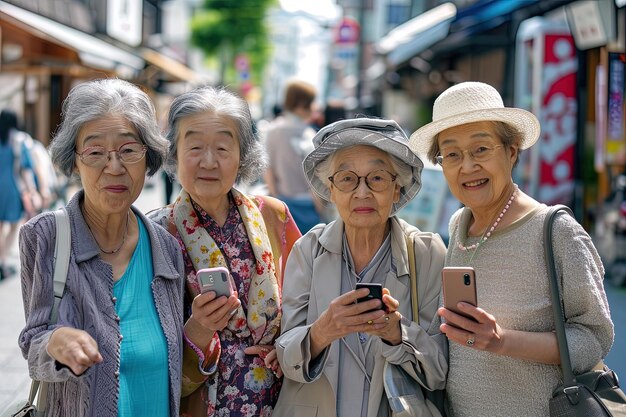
x: 239, y: 392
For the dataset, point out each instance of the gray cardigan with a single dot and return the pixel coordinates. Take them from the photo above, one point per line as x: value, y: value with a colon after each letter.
x: 88, y: 304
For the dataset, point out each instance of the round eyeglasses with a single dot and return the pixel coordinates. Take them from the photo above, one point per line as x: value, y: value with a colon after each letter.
x: 377, y: 181
x: 98, y: 156
x: 450, y: 157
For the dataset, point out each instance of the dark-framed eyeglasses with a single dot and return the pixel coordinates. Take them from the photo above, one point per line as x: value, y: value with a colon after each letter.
x: 377, y: 181
x: 450, y: 157
x: 99, y: 156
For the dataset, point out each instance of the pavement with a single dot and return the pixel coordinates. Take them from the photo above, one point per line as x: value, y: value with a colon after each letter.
x: 14, y: 379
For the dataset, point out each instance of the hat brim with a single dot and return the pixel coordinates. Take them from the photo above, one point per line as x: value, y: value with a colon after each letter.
x: 355, y: 136
x: 421, y: 140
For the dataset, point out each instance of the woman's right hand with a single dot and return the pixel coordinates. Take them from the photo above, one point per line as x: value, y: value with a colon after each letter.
x: 344, y: 316
x: 74, y: 348
x: 213, y: 313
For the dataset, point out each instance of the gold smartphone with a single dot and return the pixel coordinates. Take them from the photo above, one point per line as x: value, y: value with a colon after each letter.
x: 459, y: 284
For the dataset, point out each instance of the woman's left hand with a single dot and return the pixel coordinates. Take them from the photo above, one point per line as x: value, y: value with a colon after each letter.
x: 268, y: 354
x: 391, y: 333
x: 481, y: 331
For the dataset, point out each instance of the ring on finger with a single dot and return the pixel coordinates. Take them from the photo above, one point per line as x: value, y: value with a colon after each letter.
x: 470, y: 341
x: 370, y: 322
x: 386, y: 318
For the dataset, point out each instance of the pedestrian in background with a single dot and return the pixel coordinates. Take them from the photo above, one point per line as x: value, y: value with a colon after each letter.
x: 288, y: 140
x: 333, y: 350
x: 116, y: 347
x: 230, y: 365
x: 504, y: 358
x: 18, y: 184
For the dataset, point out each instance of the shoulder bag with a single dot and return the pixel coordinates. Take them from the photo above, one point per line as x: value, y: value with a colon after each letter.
x: 592, y: 394
x: 407, y: 397
x: 28, y: 407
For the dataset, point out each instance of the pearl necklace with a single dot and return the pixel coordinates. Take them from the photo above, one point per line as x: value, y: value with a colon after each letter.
x: 488, y: 232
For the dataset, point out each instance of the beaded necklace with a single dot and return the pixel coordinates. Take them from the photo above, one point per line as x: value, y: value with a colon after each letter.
x: 121, y: 244
x: 487, y: 234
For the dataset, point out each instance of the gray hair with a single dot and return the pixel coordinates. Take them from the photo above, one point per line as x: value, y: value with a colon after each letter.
x: 401, y: 168
x: 223, y: 103
x: 92, y: 100
x: 509, y: 136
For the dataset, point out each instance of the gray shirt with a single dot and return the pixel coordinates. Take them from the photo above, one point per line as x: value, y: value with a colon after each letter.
x: 512, y: 284
x: 88, y: 304
x: 289, y: 140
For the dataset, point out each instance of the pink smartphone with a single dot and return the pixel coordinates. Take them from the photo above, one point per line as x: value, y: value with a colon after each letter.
x: 215, y: 279
x: 459, y: 284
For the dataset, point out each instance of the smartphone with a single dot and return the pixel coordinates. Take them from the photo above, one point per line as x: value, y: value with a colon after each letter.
x: 376, y: 291
x: 459, y: 284
x: 215, y: 279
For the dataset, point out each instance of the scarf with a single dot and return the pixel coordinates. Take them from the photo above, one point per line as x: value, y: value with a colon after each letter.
x: 262, y: 320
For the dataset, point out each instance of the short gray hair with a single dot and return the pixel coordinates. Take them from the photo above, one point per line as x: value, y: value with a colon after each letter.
x: 223, y: 103
x: 402, y: 169
x: 92, y: 100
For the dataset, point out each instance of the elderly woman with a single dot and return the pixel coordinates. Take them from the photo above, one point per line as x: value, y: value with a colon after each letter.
x: 504, y: 359
x: 230, y: 364
x: 333, y: 351
x: 116, y: 348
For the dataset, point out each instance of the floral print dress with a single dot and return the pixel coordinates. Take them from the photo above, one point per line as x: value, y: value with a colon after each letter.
x: 245, y: 386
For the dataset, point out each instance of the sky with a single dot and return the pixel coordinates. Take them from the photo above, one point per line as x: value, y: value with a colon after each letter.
x: 322, y: 8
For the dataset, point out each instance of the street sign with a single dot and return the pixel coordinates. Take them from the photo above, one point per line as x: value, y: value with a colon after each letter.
x: 348, y: 31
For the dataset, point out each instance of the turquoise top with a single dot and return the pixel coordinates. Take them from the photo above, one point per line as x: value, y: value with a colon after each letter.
x: 144, y: 377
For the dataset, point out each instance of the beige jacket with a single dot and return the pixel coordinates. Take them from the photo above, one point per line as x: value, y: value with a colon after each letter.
x: 312, y: 282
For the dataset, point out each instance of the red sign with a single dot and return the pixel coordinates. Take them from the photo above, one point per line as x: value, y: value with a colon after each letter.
x: 558, y: 119
x: 348, y: 31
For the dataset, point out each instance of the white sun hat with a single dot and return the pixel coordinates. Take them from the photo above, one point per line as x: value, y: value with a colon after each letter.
x: 470, y: 102
x: 385, y: 135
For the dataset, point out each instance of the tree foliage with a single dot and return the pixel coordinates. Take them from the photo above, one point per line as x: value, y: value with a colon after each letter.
x: 226, y: 28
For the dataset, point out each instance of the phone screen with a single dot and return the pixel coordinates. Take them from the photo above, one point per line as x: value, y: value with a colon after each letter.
x: 376, y: 291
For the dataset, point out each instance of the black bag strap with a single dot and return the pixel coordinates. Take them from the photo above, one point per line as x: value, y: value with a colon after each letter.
x: 569, y: 379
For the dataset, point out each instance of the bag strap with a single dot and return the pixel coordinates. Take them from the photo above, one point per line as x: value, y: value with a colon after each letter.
x: 410, y: 247
x: 62, y: 246
x: 557, y: 308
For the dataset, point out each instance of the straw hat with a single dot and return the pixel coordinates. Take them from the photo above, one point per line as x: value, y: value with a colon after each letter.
x: 470, y: 102
x: 385, y: 135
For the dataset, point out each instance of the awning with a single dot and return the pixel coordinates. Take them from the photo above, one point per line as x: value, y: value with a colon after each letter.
x: 92, y: 51
x: 410, y: 38
x: 175, y: 69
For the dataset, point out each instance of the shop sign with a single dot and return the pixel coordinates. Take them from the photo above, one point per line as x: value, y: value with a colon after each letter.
x: 557, y: 116
x: 615, y: 139
x: 124, y: 20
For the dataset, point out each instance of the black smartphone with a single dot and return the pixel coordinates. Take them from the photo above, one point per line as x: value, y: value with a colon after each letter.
x: 376, y: 291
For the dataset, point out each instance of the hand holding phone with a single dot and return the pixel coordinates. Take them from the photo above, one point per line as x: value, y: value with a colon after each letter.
x: 376, y: 292
x: 459, y: 285
x: 215, y: 279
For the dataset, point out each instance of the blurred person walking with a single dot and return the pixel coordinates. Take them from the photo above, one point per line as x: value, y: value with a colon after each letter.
x: 288, y: 141
x: 18, y: 186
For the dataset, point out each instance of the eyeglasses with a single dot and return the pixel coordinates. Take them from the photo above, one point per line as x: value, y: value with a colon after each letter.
x: 98, y: 156
x: 377, y: 181
x: 450, y: 157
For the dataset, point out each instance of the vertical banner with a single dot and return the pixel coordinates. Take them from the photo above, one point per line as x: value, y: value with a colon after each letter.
x: 558, y: 118
x: 615, y: 136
